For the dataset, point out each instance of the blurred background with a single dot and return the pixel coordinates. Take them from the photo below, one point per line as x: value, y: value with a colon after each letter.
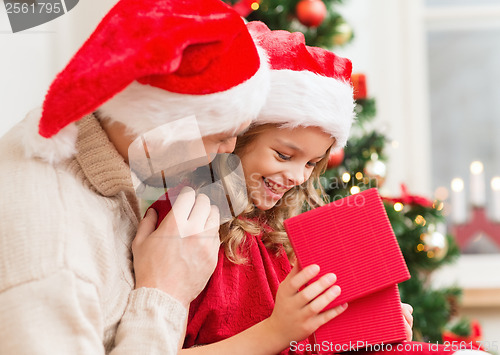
x: 427, y: 79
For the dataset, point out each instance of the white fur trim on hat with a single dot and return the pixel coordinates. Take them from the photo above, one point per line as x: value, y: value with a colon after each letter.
x: 303, y: 98
x: 52, y: 150
x: 143, y: 107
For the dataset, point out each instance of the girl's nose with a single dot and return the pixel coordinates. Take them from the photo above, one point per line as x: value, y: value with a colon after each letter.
x: 296, y: 175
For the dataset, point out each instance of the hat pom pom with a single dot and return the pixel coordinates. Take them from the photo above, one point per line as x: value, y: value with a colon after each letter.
x: 52, y: 150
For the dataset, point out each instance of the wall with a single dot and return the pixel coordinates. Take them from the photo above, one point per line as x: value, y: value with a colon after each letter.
x: 30, y: 59
x: 389, y: 48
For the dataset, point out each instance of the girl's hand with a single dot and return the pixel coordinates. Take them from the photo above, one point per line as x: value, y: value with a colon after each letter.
x: 298, y: 314
x: 408, y: 318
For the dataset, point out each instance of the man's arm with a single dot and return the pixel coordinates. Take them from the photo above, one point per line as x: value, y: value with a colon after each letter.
x: 172, y: 266
x: 61, y: 314
x: 58, y: 314
x: 153, y: 323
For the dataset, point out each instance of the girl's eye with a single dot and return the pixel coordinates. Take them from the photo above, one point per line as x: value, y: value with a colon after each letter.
x: 311, y: 164
x: 283, y: 156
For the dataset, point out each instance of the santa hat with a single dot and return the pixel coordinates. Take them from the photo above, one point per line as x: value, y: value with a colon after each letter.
x: 310, y: 86
x: 150, y: 62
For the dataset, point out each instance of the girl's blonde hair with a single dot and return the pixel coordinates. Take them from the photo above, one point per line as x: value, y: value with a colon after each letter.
x: 306, y: 196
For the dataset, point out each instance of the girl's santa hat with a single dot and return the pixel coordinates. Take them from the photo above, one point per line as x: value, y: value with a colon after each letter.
x: 310, y: 86
x: 150, y: 62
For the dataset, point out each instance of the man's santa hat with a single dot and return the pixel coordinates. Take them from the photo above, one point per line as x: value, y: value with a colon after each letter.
x: 150, y: 62
x: 310, y: 86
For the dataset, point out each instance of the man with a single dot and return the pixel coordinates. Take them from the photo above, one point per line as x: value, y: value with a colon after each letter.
x: 71, y: 279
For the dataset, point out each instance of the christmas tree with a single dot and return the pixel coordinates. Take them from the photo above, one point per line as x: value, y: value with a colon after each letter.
x: 318, y: 20
x: 418, y: 223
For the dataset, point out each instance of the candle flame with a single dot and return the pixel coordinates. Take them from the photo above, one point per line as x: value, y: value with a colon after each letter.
x: 457, y: 184
x: 476, y: 167
x: 495, y: 183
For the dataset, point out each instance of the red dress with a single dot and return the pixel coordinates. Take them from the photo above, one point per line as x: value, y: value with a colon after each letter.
x: 239, y: 296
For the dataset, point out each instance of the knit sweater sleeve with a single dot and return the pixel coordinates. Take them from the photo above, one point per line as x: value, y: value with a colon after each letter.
x: 60, y: 314
x: 61, y: 285
x: 57, y: 314
x: 153, y: 323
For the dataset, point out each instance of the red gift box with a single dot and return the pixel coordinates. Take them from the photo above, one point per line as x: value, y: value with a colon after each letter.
x: 353, y: 238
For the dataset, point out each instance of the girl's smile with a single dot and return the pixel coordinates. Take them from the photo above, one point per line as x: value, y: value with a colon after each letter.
x: 274, y: 189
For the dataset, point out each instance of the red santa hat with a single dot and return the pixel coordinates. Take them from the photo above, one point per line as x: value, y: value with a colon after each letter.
x: 150, y: 62
x: 310, y: 86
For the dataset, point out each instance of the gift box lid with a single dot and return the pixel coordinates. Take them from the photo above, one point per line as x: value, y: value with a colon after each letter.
x: 352, y: 238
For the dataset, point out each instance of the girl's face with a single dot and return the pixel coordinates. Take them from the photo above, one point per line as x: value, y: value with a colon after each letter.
x: 279, y: 159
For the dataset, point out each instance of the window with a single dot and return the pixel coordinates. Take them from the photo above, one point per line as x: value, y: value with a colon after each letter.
x: 463, y: 48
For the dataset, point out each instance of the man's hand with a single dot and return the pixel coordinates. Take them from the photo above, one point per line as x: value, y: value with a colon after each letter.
x: 180, y: 256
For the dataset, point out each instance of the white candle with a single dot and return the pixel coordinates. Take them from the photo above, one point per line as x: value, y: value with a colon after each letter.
x: 477, y: 184
x: 495, y: 199
x: 458, y: 205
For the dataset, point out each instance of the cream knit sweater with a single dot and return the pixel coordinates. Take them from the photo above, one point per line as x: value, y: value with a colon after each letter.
x: 66, y: 278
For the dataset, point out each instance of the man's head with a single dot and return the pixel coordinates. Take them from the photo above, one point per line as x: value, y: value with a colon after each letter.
x: 153, y: 62
x: 224, y: 142
x: 172, y: 149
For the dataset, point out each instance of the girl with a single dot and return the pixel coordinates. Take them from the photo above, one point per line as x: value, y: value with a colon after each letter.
x: 252, y: 305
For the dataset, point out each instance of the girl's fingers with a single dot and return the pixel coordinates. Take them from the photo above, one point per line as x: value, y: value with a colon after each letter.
x: 320, y: 302
x: 310, y: 292
x: 296, y: 279
x: 408, y: 331
x: 407, y: 313
x: 408, y: 318
x: 328, y: 315
x: 294, y: 271
x: 407, y: 307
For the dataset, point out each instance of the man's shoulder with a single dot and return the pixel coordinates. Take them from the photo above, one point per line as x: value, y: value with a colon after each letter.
x: 50, y: 220
x: 28, y: 180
